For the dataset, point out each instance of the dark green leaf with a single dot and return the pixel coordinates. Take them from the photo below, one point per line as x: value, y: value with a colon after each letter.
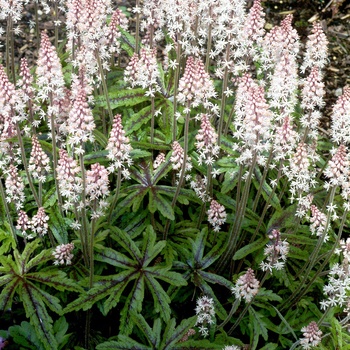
x: 250, y: 248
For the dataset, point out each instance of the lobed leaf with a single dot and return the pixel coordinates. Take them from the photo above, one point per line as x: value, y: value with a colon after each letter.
x: 35, y: 310
x: 114, y: 258
x: 132, y: 305
x: 108, y: 286
x: 160, y: 297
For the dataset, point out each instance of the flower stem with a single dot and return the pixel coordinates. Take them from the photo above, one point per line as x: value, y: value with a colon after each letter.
x: 300, y: 291
x: 104, y: 86
x: 24, y: 160
x: 7, y: 210
x: 182, y: 174
x: 235, y: 228
x: 115, y: 199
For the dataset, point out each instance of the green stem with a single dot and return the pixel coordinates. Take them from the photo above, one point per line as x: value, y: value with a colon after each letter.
x: 232, y: 311
x: 82, y: 239
x: 235, y: 228
x: 182, y: 174
x: 298, y: 292
x: 137, y: 34
x: 208, y: 191
x: 7, y: 210
x: 104, y: 86
x: 325, y: 262
x: 24, y: 160
x: 92, y: 242
x: 115, y: 199
x: 85, y: 233
x: 152, y: 120
x: 56, y: 27
x: 207, y: 59
x: 176, y: 83
x: 223, y: 95
x: 263, y: 178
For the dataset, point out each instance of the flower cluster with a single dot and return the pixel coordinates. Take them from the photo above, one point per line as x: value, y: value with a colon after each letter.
x: 338, y: 287
x: 340, y: 127
x: 199, y: 186
x: 159, y: 160
x: 14, y: 187
x: 70, y: 183
x: 119, y: 148
x: 97, y: 188
x: 39, y: 223
x: 276, y: 252
x: 253, y: 120
x: 143, y: 71
x: 81, y: 121
x: 206, y: 144
x: 195, y: 87
x: 39, y: 162
x: 63, y: 254
x: 247, y: 286
x: 318, y: 221
x: 216, y: 215
x: 49, y: 71
x: 312, y: 336
x: 316, y: 48
x: 23, y: 224
x: 337, y: 169
x: 205, y: 312
x: 177, y: 158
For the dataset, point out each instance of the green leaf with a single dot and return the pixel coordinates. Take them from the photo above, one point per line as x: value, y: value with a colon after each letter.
x: 127, y: 243
x: 164, y: 206
x: 250, y: 248
x: 135, y: 122
x: 132, y: 305
x: 146, y: 329
x: 25, y: 335
x: 55, y: 278
x: 114, y: 258
x: 107, y: 286
x: 128, y: 42
x: 43, y: 257
x: 123, y: 343
x: 60, y: 328
x: 172, y: 336
x: 8, y: 292
x: 213, y: 278
x: 122, y: 98
x: 267, y: 192
x: 289, y: 327
x: 282, y: 218
x: 259, y: 327
x: 165, y: 275
x: 160, y: 297
x: 39, y: 317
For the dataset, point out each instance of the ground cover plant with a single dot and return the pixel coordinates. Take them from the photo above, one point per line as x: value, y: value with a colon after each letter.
x: 165, y: 184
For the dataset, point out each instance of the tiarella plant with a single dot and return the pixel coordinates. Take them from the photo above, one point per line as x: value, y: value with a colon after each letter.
x: 164, y: 184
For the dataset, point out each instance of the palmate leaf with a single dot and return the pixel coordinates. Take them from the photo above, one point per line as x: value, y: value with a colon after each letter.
x: 27, y: 285
x: 127, y: 243
x: 106, y: 286
x: 35, y: 310
x: 134, y: 304
x: 6, y: 295
x: 135, y: 269
x: 122, y: 98
x: 160, y: 297
x: 171, y: 336
x: 196, y: 263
